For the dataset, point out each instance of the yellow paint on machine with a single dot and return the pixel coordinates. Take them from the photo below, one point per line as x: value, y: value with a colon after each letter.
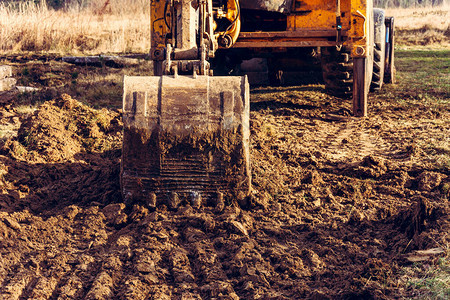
x: 321, y: 15
x: 158, y: 25
x: 305, y: 16
x: 318, y: 14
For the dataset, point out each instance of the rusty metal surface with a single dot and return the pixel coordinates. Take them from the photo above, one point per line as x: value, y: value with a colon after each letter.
x: 271, y: 35
x: 288, y: 39
x: 185, y: 135
x: 185, y: 46
x: 284, y: 44
x: 282, y: 6
x: 361, y: 84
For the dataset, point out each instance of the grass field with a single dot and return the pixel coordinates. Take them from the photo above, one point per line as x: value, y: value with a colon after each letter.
x: 422, y: 26
x: 123, y: 27
x: 37, y: 28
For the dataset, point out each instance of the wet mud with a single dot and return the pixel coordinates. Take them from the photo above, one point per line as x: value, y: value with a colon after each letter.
x: 335, y: 207
x: 198, y: 168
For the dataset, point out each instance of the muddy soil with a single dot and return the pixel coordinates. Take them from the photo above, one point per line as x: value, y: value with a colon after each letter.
x: 338, y: 203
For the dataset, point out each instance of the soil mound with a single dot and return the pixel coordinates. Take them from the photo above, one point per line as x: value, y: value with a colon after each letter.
x: 62, y: 128
x: 65, y: 152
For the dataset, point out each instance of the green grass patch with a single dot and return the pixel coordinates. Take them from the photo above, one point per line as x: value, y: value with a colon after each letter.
x: 424, y: 75
x: 433, y: 280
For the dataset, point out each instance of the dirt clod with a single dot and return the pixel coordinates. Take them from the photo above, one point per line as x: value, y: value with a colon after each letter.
x: 428, y: 181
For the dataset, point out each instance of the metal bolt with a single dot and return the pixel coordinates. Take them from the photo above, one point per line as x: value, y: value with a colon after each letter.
x: 360, y: 50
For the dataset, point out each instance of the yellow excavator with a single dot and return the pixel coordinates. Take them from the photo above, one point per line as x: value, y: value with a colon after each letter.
x: 186, y: 130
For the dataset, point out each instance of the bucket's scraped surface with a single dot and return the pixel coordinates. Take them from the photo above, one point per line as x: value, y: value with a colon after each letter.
x: 185, y: 139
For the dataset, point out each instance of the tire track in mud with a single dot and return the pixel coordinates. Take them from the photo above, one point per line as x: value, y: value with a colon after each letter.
x: 70, y: 289
x: 362, y: 140
x: 99, y: 271
x: 205, y: 262
x: 43, y: 288
x: 28, y: 279
x: 16, y: 286
x: 143, y: 278
x: 59, y: 271
x: 193, y: 268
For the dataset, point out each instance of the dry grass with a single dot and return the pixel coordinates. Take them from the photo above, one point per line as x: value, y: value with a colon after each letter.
x: 122, y: 26
x: 422, y: 25
x: 418, y: 17
x: 118, y: 27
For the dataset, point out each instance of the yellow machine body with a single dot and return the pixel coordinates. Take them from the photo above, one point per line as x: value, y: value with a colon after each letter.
x: 309, y: 23
x: 186, y: 132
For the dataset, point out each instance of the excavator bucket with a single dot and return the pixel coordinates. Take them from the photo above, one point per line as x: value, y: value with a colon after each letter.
x: 186, y: 139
